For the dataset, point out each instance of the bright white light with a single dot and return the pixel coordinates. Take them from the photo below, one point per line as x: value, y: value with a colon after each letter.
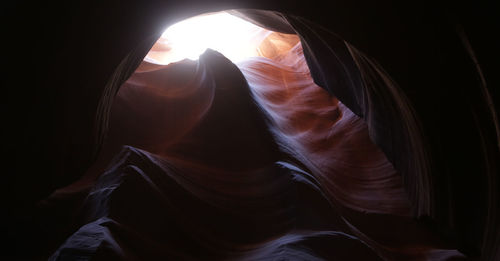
x: 235, y: 38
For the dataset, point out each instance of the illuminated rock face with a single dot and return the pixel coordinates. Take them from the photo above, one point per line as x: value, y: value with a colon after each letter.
x: 251, y: 161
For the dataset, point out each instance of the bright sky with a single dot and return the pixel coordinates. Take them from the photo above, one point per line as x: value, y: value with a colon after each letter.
x: 235, y: 38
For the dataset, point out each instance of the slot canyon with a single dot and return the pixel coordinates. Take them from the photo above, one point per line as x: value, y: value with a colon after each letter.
x: 251, y: 130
